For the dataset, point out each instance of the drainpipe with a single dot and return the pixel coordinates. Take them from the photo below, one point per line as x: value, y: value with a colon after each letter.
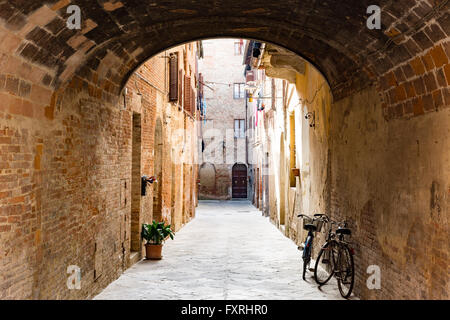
x: 246, y: 134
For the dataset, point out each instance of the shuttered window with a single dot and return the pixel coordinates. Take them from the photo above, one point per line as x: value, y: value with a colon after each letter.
x: 180, y: 88
x: 173, y: 78
x: 187, y: 94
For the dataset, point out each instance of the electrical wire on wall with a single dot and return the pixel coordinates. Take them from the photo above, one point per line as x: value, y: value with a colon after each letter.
x: 306, y: 101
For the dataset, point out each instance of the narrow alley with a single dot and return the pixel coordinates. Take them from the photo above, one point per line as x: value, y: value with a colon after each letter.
x: 228, y: 252
x: 123, y: 122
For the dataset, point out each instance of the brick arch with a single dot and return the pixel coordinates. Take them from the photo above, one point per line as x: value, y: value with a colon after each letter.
x: 117, y: 36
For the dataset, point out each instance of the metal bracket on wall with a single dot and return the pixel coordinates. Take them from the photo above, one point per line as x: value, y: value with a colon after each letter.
x: 312, y: 117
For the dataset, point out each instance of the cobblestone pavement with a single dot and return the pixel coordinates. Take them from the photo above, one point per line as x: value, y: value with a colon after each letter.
x: 229, y: 251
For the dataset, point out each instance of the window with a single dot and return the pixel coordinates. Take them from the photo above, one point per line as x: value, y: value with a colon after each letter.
x: 238, y: 48
x: 180, y: 88
x: 187, y: 95
x: 239, y: 128
x: 239, y: 91
x: 173, y: 76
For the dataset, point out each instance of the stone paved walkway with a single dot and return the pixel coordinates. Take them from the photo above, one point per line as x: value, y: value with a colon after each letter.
x: 229, y: 251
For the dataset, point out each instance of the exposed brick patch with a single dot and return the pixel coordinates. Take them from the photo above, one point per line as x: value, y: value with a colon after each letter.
x: 424, y: 78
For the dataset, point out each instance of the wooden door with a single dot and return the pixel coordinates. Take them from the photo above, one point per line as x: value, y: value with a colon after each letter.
x: 239, y: 182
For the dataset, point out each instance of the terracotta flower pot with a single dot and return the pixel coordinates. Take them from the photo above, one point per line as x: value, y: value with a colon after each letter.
x: 153, y: 251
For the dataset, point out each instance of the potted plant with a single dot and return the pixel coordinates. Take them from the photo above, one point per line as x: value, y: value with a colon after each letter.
x: 155, y: 234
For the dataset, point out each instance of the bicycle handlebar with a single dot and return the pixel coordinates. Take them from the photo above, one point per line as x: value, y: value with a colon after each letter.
x: 323, y: 217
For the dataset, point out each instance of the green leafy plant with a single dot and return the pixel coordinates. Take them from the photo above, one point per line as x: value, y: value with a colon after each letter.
x: 156, y: 232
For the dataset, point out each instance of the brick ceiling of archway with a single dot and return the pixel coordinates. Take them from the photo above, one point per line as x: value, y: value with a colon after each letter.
x: 117, y: 36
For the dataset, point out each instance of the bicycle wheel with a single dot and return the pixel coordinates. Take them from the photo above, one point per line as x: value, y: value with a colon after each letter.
x: 306, y: 255
x: 346, y: 274
x: 305, y: 266
x: 324, y: 267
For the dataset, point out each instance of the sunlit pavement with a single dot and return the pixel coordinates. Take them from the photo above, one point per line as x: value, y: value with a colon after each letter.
x: 229, y: 251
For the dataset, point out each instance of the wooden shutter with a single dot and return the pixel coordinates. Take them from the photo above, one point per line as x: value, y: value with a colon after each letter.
x: 180, y: 88
x: 187, y: 94
x: 173, y: 78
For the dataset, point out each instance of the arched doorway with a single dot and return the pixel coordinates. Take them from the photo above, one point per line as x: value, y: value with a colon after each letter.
x: 239, y: 181
x: 207, y: 176
x: 157, y: 165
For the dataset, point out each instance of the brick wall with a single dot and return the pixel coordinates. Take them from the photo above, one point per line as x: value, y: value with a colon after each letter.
x: 65, y: 194
x: 420, y: 85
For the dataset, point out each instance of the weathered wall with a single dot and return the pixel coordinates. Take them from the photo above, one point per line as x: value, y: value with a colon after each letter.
x: 391, y: 181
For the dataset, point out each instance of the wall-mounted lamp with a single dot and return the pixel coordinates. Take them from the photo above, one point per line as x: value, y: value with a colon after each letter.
x: 312, y: 117
x: 145, y: 181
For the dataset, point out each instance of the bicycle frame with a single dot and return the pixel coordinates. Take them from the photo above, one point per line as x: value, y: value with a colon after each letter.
x: 308, y: 246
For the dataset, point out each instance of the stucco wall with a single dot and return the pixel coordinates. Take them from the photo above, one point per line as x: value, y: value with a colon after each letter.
x: 391, y: 180
x: 388, y: 179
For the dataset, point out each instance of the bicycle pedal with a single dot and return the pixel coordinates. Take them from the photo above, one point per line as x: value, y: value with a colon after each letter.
x: 301, y: 247
x: 311, y: 269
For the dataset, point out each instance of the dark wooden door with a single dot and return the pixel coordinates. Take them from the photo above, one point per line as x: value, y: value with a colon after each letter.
x: 239, y: 183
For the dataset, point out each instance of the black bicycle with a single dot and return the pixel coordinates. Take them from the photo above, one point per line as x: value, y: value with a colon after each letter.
x: 312, y: 225
x: 336, y: 258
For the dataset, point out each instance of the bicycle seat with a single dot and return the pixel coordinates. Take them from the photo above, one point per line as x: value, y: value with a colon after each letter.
x: 318, y: 215
x: 310, y: 227
x: 345, y: 231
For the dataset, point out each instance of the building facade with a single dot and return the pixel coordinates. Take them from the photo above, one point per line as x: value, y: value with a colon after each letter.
x: 89, y: 211
x: 223, y: 156
x: 162, y: 95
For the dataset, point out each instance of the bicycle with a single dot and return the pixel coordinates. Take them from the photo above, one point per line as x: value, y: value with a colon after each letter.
x: 336, y: 258
x: 324, y: 266
x: 312, y: 227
